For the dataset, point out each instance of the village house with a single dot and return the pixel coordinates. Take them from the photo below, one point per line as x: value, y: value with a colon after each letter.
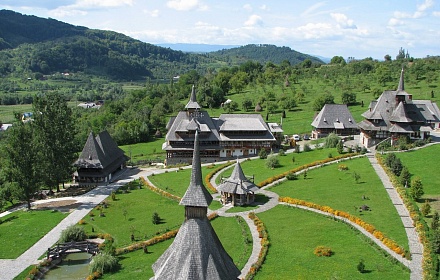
x: 334, y: 118
x: 225, y: 137
x: 396, y: 114
x: 99, y: 160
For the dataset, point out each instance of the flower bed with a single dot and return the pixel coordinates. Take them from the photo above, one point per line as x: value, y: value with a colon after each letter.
x: 212, y: 173
x: 262, y: 233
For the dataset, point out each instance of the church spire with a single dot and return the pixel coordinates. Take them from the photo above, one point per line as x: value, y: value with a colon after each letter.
x: 401, y: 86
x: 196, y: 195
x: 192, y: 103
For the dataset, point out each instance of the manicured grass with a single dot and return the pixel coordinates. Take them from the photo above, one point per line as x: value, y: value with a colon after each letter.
x: 139, y: 206
x: 424, y: 163
x: 338, y: 189
x: 176, y: 182
x: 21, y: 229
x: 7, y: 111
x: 145, y: 151
x: 258, y: 168
x: 295, y: 233
x: 137, y: 264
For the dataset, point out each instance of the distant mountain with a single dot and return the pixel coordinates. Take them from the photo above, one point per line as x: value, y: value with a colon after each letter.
x: 196, y: 48
x: 30, y: 43
x: 263, y: 53
x: 325, y: 59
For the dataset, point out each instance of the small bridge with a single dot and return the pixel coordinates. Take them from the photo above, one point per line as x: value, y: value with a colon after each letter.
x: 72, y: 247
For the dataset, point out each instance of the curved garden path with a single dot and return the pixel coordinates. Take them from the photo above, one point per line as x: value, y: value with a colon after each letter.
x: 10, y: 268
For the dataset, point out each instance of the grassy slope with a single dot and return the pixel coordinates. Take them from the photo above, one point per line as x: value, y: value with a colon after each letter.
x: 294, y: 234
x: 20, y: 230
x: 338, y: 189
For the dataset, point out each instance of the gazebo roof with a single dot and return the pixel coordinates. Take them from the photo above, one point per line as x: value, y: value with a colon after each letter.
x: 237, y: 183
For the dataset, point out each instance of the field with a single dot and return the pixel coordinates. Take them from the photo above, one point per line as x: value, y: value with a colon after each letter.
x: 21, y: 229
x: 295, y: 233
x: 329, y: 186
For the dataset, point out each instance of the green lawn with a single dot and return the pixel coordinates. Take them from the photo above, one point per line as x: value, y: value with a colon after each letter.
x: 137, y: 265
x: 145, y: 151
x: 139, y: 206
x: 257, y: 168
x: 21, y: 229
x: 424, y: 163
x: 176, y: 182
x: 338, y: 189
x: 295, y: 233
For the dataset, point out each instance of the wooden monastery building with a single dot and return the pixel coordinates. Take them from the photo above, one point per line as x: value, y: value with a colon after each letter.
x: 227, y: 136
x: 237, y: 189
x: 394, y: 114
x: 334, y: 118
x: 196, y: 252
x: 99, y: 160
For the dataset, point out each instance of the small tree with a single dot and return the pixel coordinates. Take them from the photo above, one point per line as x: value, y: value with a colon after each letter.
x: 340, y: 147
x: 405, y: 177
x: 262, y: 154
x: 331, y: 141
x: 293, y: 159
x: 272, y: 161
x: 416, y: 188
x: 361, y: 266
x: 356, y: 177
x: 435, y: 221
x: 426, y: 208
x: 155, y: 218
x: 305, y: 174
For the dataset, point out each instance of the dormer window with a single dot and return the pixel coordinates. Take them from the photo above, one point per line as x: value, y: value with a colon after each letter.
x: 325, y: 120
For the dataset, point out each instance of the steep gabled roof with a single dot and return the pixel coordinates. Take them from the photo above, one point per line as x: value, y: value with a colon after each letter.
x: 237, y: 182
x: 195, y: 254
x: 100, y: 152
x: 334, y: 116
x: 196, y: 194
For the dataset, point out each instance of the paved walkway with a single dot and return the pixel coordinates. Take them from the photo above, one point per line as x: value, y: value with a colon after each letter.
x: 11, y: 268
x: 415, y: 246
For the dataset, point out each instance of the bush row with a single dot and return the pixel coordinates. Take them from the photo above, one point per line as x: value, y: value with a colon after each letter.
x: 159, y: 191
x: 302, y: 167
x: 430, y: 259
x: 262, y: 233
x: 370, y: 228
x: 212, y: 173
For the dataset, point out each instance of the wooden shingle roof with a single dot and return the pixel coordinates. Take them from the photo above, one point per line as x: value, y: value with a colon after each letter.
x: 100, y: 152
x: 237, y: 183
x: 192, y: 103
x: 334, y: 116
x: 196, y: 194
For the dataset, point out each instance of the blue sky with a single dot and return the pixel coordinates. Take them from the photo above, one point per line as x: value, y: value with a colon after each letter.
x: 352, y: 28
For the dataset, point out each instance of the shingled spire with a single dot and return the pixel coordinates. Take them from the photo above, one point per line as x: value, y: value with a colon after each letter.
x: 401, y: 86
x: 192, y: 103
x: 196, y: 252
x: 196, y: 194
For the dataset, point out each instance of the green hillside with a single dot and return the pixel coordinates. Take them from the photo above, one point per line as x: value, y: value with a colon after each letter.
x: 263, y: 53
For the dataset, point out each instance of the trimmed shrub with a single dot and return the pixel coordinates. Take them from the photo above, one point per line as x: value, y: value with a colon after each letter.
x: 272, y: 161
x: 306, y: 148
x: 292, y: 176
x: 331, y: 141
x: 73, y: 233
x: 262, y: 154
x: 361, y: 266
x: 322, y: 251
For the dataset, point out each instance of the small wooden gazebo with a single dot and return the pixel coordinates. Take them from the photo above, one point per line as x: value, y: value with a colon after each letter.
x: 237, y: 189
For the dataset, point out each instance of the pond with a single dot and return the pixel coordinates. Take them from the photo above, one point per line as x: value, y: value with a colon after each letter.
x: 74, y: 266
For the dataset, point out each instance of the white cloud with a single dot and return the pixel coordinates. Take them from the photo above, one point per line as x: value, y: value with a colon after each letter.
x: 264, y: 7
x: 80, y: 7
x: 254, y: 20
x: 418, y: 13
x: 436, y: 13
x: 312, y: 9
x: 395, y: 21
x: 247, y: 7
x: 343, y: 21
x: 186, y: 5
x: 153, y: 13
